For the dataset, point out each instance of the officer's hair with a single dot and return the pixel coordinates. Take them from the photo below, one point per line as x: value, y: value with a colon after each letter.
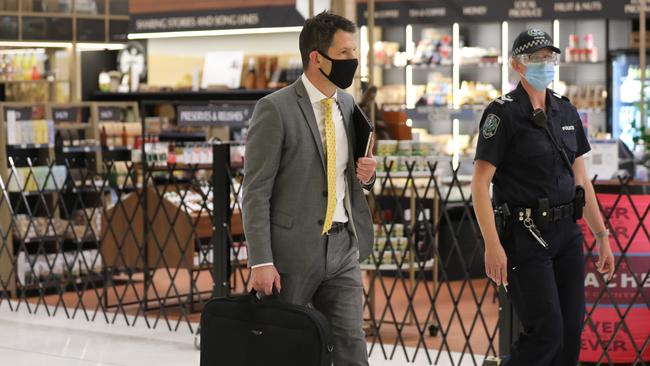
x: 517, y: 59
x: 318, y: 33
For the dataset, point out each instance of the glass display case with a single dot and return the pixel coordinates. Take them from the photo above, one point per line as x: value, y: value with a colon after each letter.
x: 625, y: 95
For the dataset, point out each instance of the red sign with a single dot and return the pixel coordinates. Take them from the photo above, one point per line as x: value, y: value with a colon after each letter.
x: 622, y: 308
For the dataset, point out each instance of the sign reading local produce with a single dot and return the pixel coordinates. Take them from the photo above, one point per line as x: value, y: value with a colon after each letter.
x: 234, y: 115
x: 449, y: 11
x: 254, y: 17
x: 64, y: 114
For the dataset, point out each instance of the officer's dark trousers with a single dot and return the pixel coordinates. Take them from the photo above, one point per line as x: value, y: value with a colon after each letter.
x: 546, y: 288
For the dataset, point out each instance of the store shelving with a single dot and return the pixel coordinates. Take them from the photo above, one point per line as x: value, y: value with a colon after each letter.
x: 30, y: 146
x: 406, y: 83
x: 45, y: 175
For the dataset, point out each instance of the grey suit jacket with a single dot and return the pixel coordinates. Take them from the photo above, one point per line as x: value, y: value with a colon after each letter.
x: 285, y: 185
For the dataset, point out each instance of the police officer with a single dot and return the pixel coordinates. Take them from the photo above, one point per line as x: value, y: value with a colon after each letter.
x: 530, y: 148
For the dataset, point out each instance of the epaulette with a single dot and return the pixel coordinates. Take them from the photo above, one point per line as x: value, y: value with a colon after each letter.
x: 563, y: 97
x: 506, y: 98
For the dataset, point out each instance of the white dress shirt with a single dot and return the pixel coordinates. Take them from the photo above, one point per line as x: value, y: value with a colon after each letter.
x: 315, y: 97
x: 342, y: 150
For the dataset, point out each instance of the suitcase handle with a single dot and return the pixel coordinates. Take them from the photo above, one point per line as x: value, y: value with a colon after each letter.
x: 257, y: 297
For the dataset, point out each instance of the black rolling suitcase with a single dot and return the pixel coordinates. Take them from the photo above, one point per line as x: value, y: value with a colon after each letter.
x: 246, y: 331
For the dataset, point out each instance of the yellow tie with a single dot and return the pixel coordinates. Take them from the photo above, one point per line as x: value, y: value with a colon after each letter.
x: 330, y: 140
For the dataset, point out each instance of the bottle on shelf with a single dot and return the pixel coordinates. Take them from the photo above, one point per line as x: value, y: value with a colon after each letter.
x: 261, y: 81
x: 17, y: 67
x: 249, y: 80
x: 571, y: 52
x: 7, y: 68
x: 591, y: 50
x: 171, y: 154
x: 26, y: 68
x: 148, y: 156
x: 102, y: 137
x: 161, y: 149
x: 136, y: 152
x: 125, y: 136
x: 35, y: 74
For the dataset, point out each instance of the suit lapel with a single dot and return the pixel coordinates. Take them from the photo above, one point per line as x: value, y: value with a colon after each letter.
x: 308, y: 112
x: 344, y: 110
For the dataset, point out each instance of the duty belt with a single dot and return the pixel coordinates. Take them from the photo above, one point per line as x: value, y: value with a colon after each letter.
x: 556, y: 213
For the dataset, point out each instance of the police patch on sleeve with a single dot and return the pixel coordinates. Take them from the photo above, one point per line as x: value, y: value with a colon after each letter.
x: 490, y: 126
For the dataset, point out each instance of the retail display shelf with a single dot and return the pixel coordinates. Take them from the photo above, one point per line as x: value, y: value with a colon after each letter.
x: 40, y: 239
x: 97, y: 189
x: 78, y: 149
x: 481, y: 64
x: 30, y: 146
x: 117, y: 148
x: 404, y: 174
x: 444, y: 179
x: 57, y: 238
x: 181, y: 136
x: 235, y: 94
x: 63, y: 190
x: 165, y: 168
x: 406, y: 266
x: 71, y: 127
x: 84, y: 279
x: 430, y: 66
x: 575, y: 64
x: 34, y: 193
x: 32, y: 81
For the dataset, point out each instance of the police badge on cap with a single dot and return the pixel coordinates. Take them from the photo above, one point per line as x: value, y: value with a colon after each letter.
x: 532, y: 40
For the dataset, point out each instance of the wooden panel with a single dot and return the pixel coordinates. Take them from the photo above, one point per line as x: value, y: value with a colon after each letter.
x: 167, y: 245
x: 173, y: 71
x: 161, y: 6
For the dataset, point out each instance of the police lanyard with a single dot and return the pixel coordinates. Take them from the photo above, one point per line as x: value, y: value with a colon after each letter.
x: 539, y: 119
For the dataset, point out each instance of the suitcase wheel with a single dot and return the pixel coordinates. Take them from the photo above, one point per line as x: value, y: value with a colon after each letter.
x: 433, y: 330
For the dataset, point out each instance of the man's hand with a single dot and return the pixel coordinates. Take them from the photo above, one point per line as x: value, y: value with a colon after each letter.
x: 605, y: 263
x: 263, y: 278
x: 496, y: 264
x: 366, y: 166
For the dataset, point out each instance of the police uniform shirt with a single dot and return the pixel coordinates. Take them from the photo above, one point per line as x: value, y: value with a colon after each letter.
x: 529, y: 166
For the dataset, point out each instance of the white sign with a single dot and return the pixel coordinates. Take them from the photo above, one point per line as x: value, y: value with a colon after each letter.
x: 602, y: 160
x: 319, y: 5
x: 223, y: 68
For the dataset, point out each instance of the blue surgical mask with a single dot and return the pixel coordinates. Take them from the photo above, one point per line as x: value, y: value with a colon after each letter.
x: 539, y: 75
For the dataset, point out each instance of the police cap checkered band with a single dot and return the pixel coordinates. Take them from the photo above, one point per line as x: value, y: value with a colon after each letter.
x: 532, y: 40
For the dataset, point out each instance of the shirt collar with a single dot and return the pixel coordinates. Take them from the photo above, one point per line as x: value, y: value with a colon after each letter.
x: 315, y: 95
x: 550, y: 100
x: 551, y: 103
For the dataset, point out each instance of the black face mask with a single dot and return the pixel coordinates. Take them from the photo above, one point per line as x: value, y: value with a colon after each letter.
x: 342, y: 72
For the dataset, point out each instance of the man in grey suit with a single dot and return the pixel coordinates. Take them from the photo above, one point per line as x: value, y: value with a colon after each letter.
x: 306, y: 218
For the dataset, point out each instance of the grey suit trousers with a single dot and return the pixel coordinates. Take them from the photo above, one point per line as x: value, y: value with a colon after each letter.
x: 333, y: 286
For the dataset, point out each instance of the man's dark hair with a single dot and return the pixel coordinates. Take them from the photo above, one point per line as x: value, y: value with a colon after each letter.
x: 318, y: 32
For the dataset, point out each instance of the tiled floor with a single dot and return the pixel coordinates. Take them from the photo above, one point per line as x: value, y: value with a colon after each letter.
x: 480, y: 328
x: 39, y: 340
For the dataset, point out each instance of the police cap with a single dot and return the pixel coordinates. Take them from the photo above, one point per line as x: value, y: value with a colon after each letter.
x: 531, y: 40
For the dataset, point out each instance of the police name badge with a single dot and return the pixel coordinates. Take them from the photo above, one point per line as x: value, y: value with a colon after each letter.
x: 490, y: 126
